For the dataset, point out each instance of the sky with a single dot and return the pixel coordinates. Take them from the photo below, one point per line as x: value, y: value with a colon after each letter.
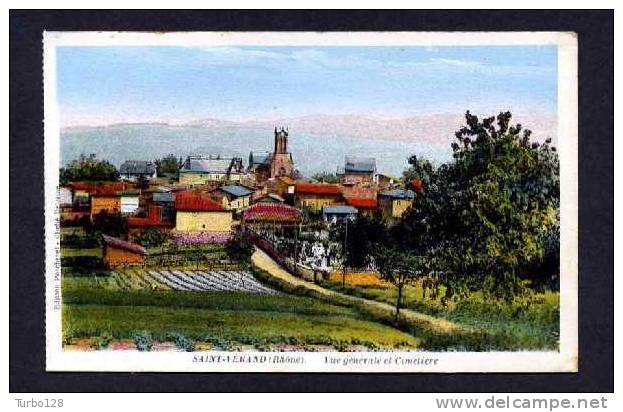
x: 106, y: 85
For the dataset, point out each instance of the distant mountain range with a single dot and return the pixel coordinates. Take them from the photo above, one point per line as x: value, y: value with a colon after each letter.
x: 425, y: 128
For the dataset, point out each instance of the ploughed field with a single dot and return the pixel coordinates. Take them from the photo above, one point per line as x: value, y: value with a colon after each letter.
x: 188, y: 280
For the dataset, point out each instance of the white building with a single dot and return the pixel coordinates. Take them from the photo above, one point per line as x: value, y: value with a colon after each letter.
x: 65, y: 197
x: 129, y: 203
x: 133, y: 170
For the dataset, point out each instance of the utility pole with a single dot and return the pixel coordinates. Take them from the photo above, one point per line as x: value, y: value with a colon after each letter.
x: 296, y: 248
x: 344, y: 255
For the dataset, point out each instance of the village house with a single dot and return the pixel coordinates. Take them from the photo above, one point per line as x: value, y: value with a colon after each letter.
x: 103, y: 201
x: 339, y: 214
x: 315, y: 196
x: 357, y: 171
x: 166, y: 202
x: 117, y: 252
x: 259, y: 165
x: 394, y: 203
x: 269, y: 198
x: 197, y: 213
x: 155, y: 219
x: 106, y: 197
x: 386, y: 182
x: 365, y: 206
x: 81, y: 193
x: 137, y: 170
x: 271, y: 215
x: 233, y: 197
x: 201, y: 170
x: 65, y: 197
x: 129, y: 202
x: 284, y: 186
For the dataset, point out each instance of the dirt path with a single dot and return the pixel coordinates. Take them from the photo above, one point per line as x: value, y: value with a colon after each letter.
x: 436, y: 325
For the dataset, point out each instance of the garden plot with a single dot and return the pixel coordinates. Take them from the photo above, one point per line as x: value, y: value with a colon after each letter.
x: 193, y: 281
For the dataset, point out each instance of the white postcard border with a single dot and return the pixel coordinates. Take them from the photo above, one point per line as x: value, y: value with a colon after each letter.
x: 564, y: 360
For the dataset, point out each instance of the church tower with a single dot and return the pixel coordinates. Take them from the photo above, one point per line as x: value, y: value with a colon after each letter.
x: 281, y: 164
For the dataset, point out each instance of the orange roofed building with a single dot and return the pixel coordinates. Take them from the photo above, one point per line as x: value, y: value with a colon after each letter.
x: 197, y: 213
x: 365, y: 206
x: 119, y: 252
x: 106, y: 197
x: 315, y: 196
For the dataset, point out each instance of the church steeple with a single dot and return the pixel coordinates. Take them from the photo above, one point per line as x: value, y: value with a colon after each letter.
x: 281, y: 141
x: 281, y: 163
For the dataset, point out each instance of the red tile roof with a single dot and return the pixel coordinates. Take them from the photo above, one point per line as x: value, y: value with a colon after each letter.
x: 274, y: 212
x: 134, y: 222
x: 317, y: 189
x: 86, y: 186
x: 99, y: 188
x: 154, y: 219
x: 194, y: 202
x: 361, y: 203
x: 125, y: 245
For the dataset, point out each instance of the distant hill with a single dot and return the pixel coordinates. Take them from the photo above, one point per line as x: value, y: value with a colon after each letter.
x: 426, y: 128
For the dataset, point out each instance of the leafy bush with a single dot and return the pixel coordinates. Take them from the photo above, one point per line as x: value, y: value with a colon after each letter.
x: 112, y: 224
x: 102, y: 341
x: 152, y: 237
x: 240, y: 249
x: 342, y: 345
x: 143, y: 341
x: 182, y: 342
x: 80, y: 242
x: 218, y: 343
x: 85, y: 263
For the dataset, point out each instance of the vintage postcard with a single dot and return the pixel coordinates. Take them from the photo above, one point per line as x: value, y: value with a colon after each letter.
x: 311, y: 202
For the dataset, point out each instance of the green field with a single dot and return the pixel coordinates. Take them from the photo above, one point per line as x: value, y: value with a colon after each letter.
x: 73, y: 252
x: 92, y: 311
x: 528, y: 322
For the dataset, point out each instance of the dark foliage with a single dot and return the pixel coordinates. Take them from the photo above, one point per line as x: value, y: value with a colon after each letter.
x: 112, y: 224
x: 240, y: 249
x: 168, y: 166
x: 88, y: 168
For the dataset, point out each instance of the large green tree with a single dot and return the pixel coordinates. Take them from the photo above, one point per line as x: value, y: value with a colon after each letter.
x: 490, y: 213
x: 398, y: 266
x: 325, y: 177
x: 88, y: 168
x: 357, y: 240
x: 168, y: 166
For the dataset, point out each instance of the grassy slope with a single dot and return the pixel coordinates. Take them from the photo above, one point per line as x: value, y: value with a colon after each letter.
x: 530, y: 322
x: 90, y: 310
x: 475, y: 324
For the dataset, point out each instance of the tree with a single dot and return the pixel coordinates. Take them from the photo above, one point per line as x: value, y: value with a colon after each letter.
x: 485, y: 215
x: 324, y: 177
x: 420, y: 169
x: 357, y: 239
x: 112, y: 224
x: 399, y: 267
x: 152, y: 237
x: 168, y: 166
x: 88, y: 168
x: 240, y: 249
